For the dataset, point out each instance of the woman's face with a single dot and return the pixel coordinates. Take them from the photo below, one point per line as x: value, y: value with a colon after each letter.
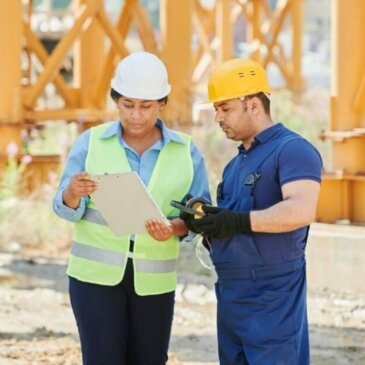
x: 138, y: 116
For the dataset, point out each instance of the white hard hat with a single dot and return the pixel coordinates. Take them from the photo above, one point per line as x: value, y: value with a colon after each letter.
x: 141, y: 75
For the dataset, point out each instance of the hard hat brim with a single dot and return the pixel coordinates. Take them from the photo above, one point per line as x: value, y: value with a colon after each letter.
x: 268, y: 94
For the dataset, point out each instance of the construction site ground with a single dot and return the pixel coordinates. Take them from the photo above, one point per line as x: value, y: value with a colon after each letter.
x: 37, y: 325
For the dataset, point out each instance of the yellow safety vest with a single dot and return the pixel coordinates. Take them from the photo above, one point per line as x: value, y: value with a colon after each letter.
x: 100, y: 257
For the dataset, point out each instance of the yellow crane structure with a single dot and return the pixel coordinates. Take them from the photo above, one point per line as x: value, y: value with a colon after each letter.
x: 98, y: 43
x: 343, y: 190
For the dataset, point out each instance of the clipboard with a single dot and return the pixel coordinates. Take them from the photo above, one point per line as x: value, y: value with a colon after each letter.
x: 124, y: 203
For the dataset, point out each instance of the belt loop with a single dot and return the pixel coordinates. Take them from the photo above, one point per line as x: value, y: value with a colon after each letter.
x: 253, y: 274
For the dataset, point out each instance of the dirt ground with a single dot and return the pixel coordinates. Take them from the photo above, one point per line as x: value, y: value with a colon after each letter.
x: 37, y: 325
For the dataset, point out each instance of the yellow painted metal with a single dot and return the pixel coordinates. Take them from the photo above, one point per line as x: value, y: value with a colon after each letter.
x: 224, y: 30
x: 349, y: 155
x: 278, y: 19
x: 10, y: 72
x: 144, y: 28
x: 348, y: 62
x: 86, y: 100
x: 358, y: 200
x: 359, y: 99
x: 89, y: 51
x: 213, y: 27
x: 205, y: 46
x: 123, y: 26
x: 10, y: 69
x: 113, y: 35
x: 211, y: 24
x: 254, y: 28
x: 204, y: 24
x: 176, y: 45
x: 77, y: 114
x: 342, y: 199
x: 264, y: 26
x: 38, y: 171
x: 85, y: 12
x: 343, y: 192
x: 35, y: 46
x: 296, y: 82
x: 333, y: 203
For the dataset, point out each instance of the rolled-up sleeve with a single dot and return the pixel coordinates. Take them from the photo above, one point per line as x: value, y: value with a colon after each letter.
x: 75, y: 164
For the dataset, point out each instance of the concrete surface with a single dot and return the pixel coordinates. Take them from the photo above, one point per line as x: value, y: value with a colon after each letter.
x: 336, y: 258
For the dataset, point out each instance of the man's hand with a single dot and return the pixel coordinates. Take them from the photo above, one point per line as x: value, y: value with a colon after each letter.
x: 221, y: 222
x: 194, y: 203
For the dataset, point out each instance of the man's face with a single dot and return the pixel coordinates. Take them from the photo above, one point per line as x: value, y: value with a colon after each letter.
x: 234, y: 118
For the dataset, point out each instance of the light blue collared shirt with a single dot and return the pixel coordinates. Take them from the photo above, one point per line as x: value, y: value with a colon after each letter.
x: 142, y: 165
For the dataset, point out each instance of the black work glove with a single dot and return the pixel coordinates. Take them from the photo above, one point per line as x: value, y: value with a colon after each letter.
x: 221, y: 222
x: 187, y: 218
x: 189, y: 201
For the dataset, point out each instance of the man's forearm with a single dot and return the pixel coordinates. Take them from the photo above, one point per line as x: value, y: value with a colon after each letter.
x: 298, y: 209
x: 285, y: 216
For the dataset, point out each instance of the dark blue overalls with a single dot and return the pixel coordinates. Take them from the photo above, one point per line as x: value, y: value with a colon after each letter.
x: 262, y: 317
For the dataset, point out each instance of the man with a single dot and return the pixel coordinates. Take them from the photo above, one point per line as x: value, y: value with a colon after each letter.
x: 258, y: 232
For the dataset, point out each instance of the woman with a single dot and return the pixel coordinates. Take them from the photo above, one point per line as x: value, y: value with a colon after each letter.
x: 122, y: 289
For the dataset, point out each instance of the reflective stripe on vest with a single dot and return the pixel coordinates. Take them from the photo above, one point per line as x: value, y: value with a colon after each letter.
x: 117, y: 259
x: 155, y: 266
x: 97, y: 254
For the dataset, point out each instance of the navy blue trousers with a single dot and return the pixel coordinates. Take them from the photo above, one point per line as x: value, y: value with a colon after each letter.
x: 118, y: 327
x: 262, y: 320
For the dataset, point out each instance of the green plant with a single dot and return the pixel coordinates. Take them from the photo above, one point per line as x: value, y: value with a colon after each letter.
x: 12, y: 175
x: 40, y: 227
x: 28, y: 221
x: 306, y: 114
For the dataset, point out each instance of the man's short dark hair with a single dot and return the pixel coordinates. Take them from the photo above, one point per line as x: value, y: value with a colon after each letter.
x: 264, y: 100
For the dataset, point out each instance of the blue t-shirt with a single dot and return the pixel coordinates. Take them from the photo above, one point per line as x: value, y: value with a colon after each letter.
x: 272, y: 164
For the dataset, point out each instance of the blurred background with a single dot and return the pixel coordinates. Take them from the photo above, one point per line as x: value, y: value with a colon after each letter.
x: 57, y: 59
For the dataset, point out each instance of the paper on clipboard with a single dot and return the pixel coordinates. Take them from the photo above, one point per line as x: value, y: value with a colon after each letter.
x: 124, y: 203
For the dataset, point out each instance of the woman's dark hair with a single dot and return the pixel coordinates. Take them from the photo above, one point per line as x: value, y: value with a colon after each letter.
x: 264, y: 100
x: 115, y: 96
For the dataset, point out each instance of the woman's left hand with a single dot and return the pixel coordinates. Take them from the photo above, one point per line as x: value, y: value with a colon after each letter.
x: 159, y: 229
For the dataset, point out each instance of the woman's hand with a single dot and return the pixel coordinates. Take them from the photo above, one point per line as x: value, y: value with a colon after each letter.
x: 80, y: 185
x: 159, y: 229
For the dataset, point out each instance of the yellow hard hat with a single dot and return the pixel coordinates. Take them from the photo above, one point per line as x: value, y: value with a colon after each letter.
x: 235, y: 78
